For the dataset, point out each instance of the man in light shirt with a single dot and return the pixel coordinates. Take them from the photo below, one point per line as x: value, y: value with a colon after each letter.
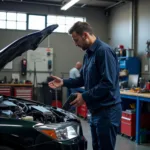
x: 75, y: 71
x: 73, y: 74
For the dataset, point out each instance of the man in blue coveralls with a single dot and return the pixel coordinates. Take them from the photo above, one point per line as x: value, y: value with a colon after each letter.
x: 99, y: 76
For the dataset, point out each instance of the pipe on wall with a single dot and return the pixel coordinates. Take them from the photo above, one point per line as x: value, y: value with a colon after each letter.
x: 134, y: 26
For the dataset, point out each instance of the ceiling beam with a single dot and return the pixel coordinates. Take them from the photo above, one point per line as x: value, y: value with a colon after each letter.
x: 107, y: 0
x: 59, y: 4
x: 117, y: 3
x: 111, y: 0
x: 39, y: 2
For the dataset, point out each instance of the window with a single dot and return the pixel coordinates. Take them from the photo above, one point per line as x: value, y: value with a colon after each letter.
x: 3, y: 20
x: 12, y: 20
x: 64, y: 22
x: 36, y: 22
x: 20, y: 21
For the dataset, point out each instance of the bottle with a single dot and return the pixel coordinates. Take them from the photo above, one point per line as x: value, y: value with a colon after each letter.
x: 129, y: 52
x: 141, y: 82
x: 121, y: 48
x: 117, y: 52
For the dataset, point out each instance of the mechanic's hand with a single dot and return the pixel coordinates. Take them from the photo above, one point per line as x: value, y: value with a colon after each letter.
x: 78, y: 101
x: 57, y: 82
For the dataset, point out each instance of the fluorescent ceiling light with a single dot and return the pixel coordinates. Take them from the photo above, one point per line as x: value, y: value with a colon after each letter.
x: 69, y: 4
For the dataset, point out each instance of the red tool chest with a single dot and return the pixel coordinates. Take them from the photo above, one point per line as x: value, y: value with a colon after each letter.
x: 56, y: 103
x: 5, y: 90
x: 128, y: 123
x: 23, y: 92
x: 82, y: 111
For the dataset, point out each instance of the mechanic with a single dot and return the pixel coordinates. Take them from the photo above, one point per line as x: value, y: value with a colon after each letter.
x: 75, y: 73
x: 99, y: 75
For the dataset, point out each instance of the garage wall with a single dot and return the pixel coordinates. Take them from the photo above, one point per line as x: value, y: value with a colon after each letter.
x: 143, y: 32
x: 66, y: 54
x: 119, y: 26
x: 120, y: 30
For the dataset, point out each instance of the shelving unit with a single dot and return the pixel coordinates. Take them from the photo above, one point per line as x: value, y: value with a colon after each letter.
x: 131, y: 64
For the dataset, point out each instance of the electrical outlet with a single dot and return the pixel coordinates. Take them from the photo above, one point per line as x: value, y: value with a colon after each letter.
x: 146, y: 68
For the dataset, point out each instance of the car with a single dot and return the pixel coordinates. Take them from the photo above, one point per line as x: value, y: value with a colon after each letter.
x: 31, y: 125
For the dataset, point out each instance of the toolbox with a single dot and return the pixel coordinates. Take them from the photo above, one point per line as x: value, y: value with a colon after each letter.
x: 23, y: 92
x: 5, y: 90
x: 128, y: 123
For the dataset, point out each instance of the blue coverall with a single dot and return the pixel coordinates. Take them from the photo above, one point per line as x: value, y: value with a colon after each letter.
x: 100, y: 77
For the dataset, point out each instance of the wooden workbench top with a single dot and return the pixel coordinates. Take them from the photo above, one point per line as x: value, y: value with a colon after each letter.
x: 16, y: 84
x: 127, y: 92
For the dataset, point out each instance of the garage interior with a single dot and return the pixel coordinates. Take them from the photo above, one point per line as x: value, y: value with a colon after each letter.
x: 123, y: 24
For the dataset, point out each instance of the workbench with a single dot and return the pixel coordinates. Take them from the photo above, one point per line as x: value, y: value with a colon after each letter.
x: 138, y: 97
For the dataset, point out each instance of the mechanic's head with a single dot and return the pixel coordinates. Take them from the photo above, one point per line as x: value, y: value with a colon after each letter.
x: 78, y: 65
x: 82, y: 35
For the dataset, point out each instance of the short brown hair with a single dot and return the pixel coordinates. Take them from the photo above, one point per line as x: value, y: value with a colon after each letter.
x: 80, y: 27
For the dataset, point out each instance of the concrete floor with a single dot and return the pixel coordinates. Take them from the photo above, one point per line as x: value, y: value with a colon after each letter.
x: 122, y: 143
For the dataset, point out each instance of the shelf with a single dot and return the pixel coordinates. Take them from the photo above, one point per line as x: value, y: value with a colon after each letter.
x: 124, y: 57
x: 123, y: 76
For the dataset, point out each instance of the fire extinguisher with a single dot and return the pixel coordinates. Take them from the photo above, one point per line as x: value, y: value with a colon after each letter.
x: 23, y: 66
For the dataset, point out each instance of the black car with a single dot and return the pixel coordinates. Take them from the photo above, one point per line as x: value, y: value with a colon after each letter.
x: 30, y: 125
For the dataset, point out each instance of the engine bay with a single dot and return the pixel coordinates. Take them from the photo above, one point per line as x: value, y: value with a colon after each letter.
x: 16, y: 108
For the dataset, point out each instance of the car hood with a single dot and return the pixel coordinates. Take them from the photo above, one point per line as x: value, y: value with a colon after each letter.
x: 28, y: 42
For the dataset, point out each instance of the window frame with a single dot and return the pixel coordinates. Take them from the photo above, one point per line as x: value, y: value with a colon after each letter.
x: 84, y: 19
x: 27, y: 20
x: 16, y: 21
x: 34, y: 15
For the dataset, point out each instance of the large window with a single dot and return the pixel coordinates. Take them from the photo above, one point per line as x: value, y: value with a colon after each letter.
x: 23, y: 21
x: 12, y: 20
x: 3, y: 20
x: 64, y: 22
x: 36, y: 22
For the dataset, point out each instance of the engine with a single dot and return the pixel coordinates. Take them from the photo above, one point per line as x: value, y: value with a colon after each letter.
x: 26, y: 110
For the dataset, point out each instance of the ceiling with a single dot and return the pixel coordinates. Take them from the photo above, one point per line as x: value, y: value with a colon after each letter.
x: 87, y: 2
x: 81, y: 3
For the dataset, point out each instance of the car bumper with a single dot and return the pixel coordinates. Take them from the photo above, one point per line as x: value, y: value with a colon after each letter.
x: 75, y: 144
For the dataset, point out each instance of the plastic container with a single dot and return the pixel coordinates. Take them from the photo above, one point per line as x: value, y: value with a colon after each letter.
x: 129, y: 53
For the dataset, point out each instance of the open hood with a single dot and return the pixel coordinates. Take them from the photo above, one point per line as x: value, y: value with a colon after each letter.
x: 28, y: 42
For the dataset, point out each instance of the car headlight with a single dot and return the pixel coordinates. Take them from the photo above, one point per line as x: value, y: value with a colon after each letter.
x: 60, y: 132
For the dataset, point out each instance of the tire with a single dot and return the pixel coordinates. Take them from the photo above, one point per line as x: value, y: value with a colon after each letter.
x: 5, y: 148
